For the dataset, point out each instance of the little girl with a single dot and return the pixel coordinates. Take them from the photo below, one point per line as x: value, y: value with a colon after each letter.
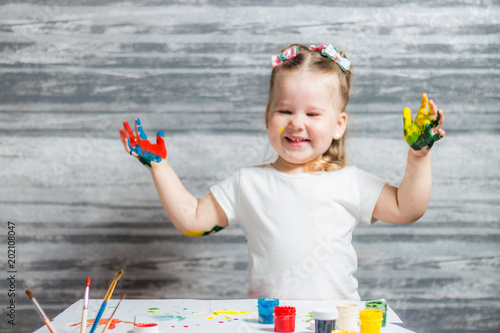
x: 298, y: 213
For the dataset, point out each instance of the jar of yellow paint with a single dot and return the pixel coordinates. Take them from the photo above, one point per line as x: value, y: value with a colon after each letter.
x: 370, y: 320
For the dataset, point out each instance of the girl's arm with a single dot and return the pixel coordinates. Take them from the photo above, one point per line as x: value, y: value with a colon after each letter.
x: 408, y: 203
x: 191, y: 217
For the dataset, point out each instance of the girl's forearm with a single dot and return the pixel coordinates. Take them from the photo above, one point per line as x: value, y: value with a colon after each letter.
x: 179, y: 205
x: 415, y: 189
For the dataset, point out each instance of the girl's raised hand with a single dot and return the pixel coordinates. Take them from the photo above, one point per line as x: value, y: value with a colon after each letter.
x: 422, y: 132
x: 140, y: 147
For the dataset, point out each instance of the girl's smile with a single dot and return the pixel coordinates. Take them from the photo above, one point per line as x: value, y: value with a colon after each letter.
x: 302, y: 118
x: 296, y: 141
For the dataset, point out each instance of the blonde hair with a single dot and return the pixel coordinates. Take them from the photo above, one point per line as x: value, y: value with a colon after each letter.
x: 334, y: 157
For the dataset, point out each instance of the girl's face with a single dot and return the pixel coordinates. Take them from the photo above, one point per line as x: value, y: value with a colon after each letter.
x: 302, y: 118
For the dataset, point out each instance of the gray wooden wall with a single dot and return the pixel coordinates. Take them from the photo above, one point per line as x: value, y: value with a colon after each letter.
x: 72, y: 71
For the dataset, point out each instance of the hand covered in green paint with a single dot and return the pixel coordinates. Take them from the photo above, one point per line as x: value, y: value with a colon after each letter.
x: 422, y: 132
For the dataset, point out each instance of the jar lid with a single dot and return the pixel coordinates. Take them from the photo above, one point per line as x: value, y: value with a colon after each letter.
x: 325, y: 314
x: 284, y: 310
x: 268, y: 302
x: 377, y: 304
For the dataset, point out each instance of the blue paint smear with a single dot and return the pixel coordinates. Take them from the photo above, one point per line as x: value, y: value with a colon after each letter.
x: 168, y: 317
x: 141, y: 131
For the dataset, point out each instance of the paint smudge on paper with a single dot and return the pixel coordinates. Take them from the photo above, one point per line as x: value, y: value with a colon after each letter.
x: 153, y: 310
x: 308, y: 317
x: 228, y: 312
x: 104, y: 321
x: 198, y: 313
x: 158, y: 315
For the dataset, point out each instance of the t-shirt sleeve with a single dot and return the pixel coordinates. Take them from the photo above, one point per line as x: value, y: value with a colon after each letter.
x: 369, y: 187
x: 226, y: 194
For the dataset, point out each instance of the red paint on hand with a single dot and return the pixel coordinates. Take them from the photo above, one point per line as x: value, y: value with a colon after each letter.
x: 146, y: 151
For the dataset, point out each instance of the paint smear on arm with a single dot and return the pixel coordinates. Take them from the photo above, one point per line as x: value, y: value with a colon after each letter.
x: 197, y: 233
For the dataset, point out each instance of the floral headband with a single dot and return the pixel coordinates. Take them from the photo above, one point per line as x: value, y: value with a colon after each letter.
x: 326, y: 50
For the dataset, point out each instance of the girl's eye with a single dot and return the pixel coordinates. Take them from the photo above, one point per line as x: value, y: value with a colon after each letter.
x: 285, y: 112
x: 312, y: 114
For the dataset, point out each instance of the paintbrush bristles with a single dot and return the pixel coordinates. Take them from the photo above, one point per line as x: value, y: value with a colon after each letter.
x: 123, y: 296
x: 29, y: 293
x: 117, y: 277
x: 88, y: 281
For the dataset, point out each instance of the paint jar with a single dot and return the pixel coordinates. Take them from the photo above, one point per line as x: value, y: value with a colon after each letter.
x: 348, y: 317
x: 381, y: 305
x: 325, y: 320
x: 284, y: 319
x: 370, y: 320
x: 266, y: 309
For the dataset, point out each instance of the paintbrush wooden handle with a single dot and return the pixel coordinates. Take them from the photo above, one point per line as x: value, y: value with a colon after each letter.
x: 110, y: 291
x: 49, y: 326
x: 107, y: 325
x: 83, y: 327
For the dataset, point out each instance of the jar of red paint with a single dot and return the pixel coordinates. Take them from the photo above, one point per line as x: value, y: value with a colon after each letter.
x: 284, y: 319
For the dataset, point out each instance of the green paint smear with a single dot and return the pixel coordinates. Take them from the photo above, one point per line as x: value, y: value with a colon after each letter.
x: 145, y: 161
x: 153, y: 310
x: 418, y: 136
x: 215, y: 229
x: 168, y: 317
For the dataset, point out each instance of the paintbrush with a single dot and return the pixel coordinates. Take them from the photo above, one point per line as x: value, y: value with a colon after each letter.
x: 83, y: 327
x: 111, y: 318
x: 42, y: 314
x: 117, y: 277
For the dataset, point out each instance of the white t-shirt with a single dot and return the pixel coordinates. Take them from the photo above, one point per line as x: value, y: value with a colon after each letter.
x: 299, y: 228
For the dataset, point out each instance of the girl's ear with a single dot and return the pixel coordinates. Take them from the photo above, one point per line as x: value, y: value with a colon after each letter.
x: 341, y: 125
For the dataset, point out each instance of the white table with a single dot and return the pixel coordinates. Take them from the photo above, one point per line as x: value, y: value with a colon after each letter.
x: 191, y: 315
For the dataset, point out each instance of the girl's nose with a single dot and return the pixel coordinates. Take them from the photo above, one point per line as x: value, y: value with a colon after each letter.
x: 297, y: 122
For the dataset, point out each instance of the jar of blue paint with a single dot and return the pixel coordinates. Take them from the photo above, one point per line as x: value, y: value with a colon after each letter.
x: 266, y: 309
x: 325, y: 320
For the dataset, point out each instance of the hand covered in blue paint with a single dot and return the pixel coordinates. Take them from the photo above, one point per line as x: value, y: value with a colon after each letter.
x: 425, y: 129
x: 140, y: 147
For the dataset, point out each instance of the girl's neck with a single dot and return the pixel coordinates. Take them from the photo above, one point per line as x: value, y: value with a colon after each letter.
x: 283, y: 166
